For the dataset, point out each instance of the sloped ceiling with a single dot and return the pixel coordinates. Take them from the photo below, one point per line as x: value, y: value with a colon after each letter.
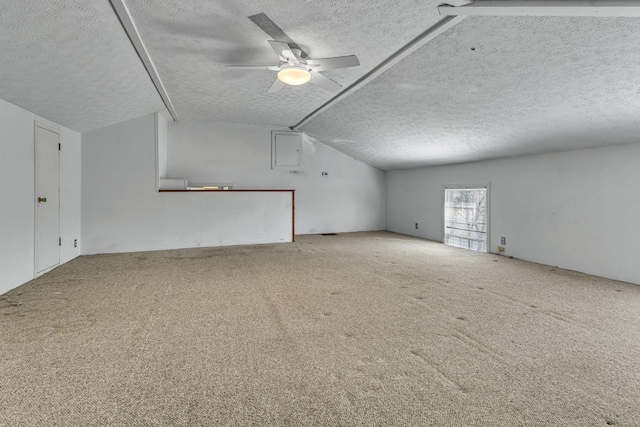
x: 70, y: 62
x: 489, y: 87
x: 192, y: 41
x: 496, y: 87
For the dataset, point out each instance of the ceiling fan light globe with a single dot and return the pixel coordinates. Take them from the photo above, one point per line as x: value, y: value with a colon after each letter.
x: 294, y: 76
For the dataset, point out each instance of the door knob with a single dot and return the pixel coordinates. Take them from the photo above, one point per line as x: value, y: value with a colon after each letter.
x: 42, y: 199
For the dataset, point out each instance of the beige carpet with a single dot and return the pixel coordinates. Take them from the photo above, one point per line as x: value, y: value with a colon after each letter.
x: 355, y: 329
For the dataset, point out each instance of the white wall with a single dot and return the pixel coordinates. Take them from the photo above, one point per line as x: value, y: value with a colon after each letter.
x: 122, y: 212
x: 577, y: 210
x: 163, y: 148
x: 350, y: 198
x: 17, y: 195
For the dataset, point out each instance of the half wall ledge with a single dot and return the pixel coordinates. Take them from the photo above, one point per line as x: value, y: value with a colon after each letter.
x: 293, y: 200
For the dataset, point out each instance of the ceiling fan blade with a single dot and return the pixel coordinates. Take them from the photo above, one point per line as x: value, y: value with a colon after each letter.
x: 324, y: 82
x: 279, y: 47
x: 271, y: 28
x: 254, y: 67
x: 324, y: 64
x: 276, y: 86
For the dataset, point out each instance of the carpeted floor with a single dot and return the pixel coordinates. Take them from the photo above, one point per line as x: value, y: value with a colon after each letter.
x: 354, y: 329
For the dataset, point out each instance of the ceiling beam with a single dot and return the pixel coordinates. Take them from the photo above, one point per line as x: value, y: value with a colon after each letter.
x: 422, y: 39
x: 122, y: 12
x: 545, y: 8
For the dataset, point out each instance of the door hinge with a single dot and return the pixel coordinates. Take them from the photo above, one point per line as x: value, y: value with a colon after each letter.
x: 59, y: 146
x: 59, y: 241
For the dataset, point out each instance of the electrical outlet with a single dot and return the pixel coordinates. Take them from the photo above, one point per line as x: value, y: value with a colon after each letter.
x: 503, y: 240
x: 416, y: 225
x: 75, y: 243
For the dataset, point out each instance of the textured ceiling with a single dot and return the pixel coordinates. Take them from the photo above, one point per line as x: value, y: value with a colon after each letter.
x: 490, y: 87
x: 70, y: 62
x: 530, y: 85
x: 191, y: 42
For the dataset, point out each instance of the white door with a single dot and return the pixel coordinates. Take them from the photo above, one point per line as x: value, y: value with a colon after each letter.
x: 47, y: 197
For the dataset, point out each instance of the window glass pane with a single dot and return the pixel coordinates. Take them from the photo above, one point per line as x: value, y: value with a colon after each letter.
x: 466, y: 218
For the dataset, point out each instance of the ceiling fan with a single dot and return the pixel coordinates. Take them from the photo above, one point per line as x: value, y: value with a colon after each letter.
x: 294, y: 69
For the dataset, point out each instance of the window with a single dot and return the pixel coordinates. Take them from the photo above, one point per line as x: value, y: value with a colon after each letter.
x: 465, y: 217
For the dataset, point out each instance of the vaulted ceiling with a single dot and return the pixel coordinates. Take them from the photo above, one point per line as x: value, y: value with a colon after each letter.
x: 488, y: 87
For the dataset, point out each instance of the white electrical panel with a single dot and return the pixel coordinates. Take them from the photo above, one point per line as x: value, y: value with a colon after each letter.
x: 286, y: 150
